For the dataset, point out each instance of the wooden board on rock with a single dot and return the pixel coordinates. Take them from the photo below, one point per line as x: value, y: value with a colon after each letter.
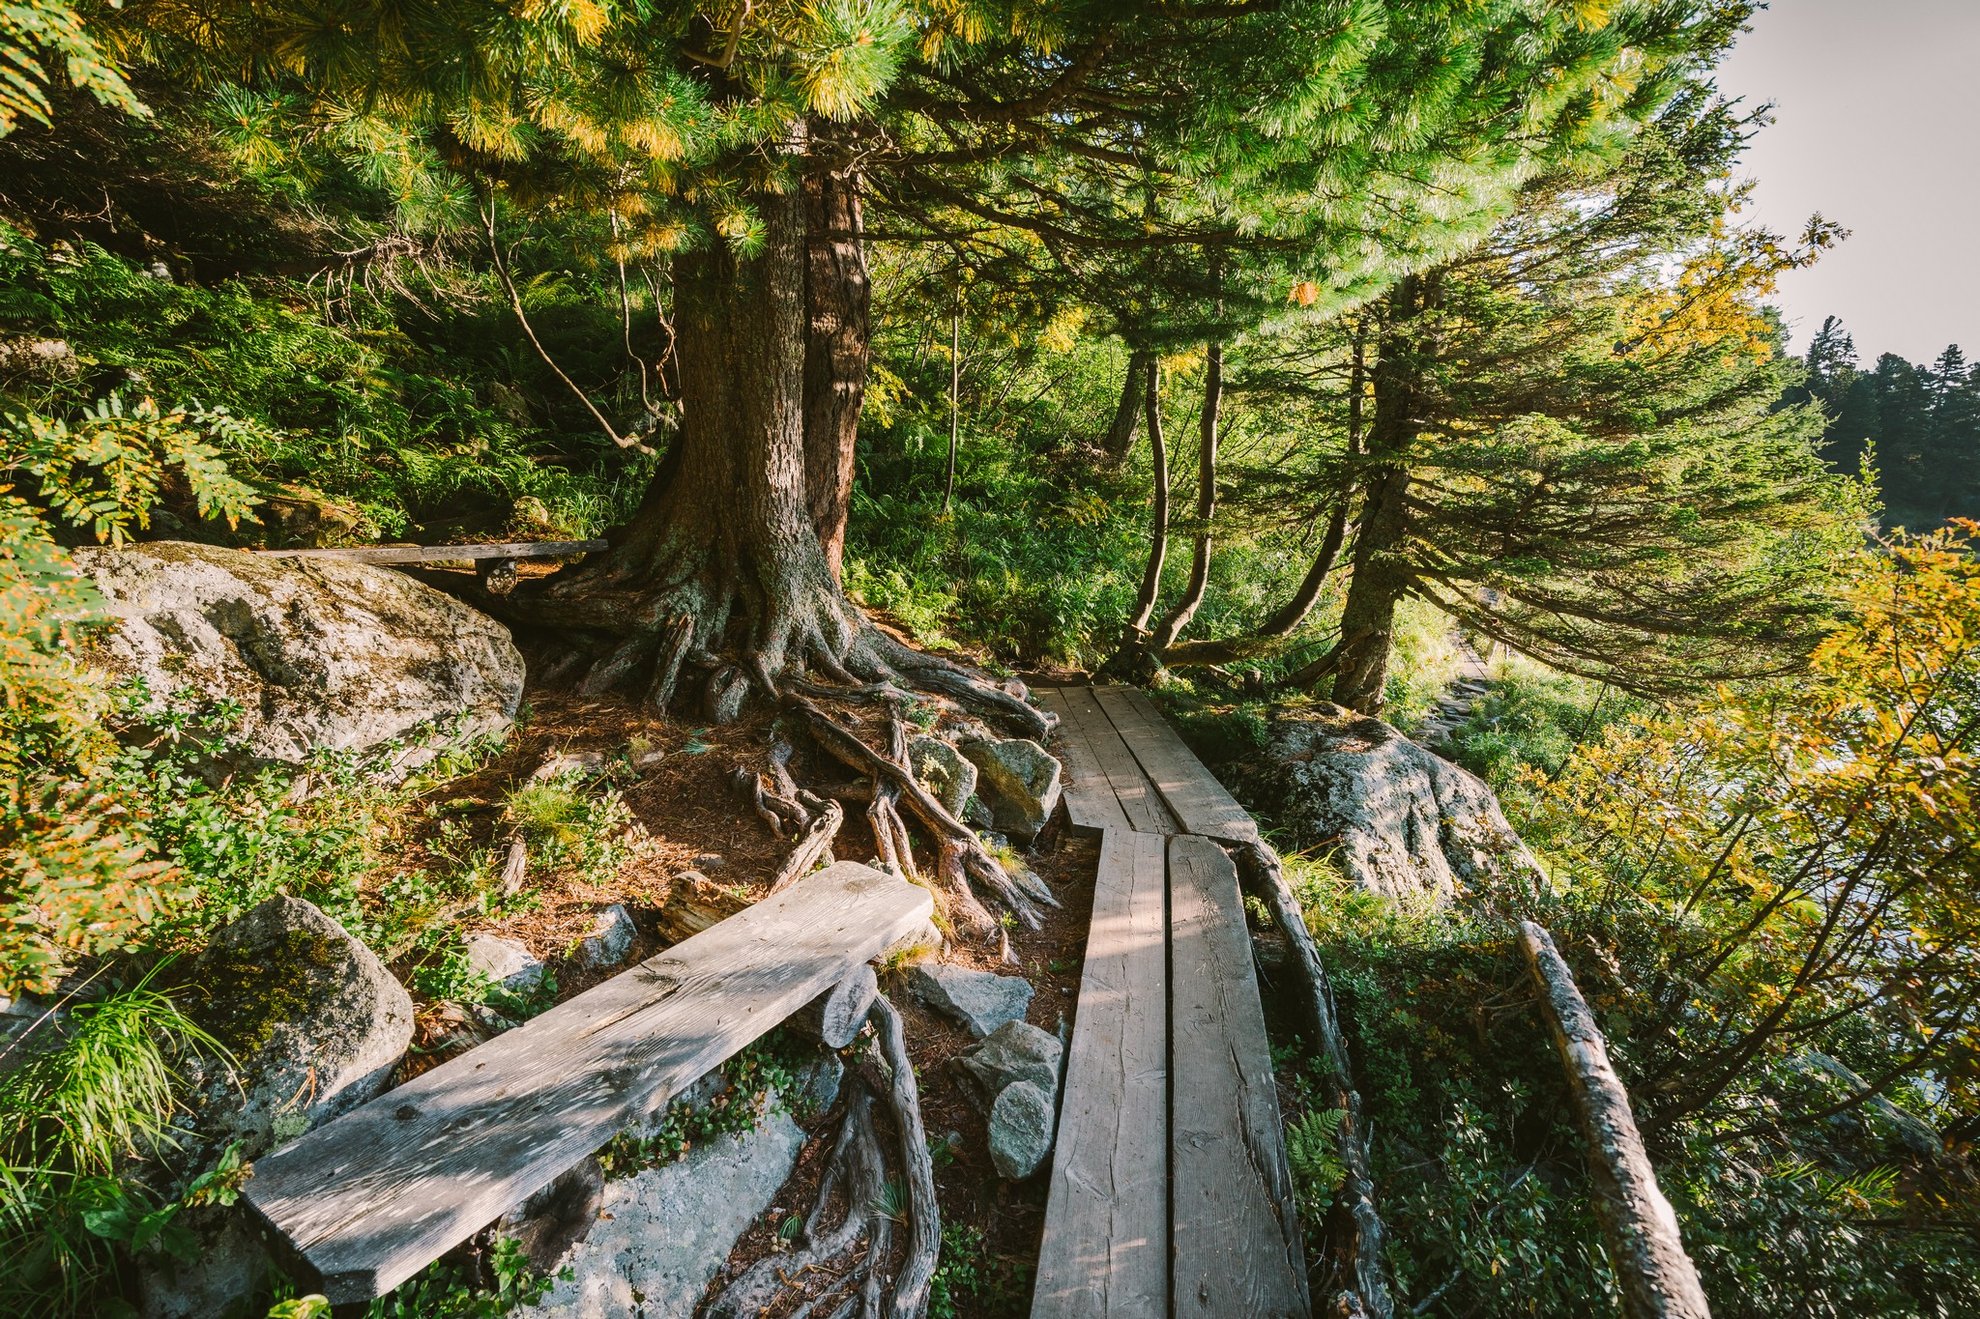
x: 1184, y: 784
x: 370, y: 1199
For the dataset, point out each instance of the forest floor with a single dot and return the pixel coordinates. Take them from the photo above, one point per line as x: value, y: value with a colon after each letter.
x: 673, y: 776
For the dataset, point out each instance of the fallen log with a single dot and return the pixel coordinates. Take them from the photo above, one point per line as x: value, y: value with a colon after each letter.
x: 1657, y: 1277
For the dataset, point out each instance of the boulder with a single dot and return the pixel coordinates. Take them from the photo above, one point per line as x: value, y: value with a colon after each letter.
x: 226, y: 1265
x: 313, y: 1020
x: 661, y: 1235
x: 1403, y: 821
x: 1021, y: 1129
x: 505, y: 961
x: 1015, y: 1051
x: 1019, y: 781
x: 611, y: 938
x: 316, y: 653
x: 944, y: 771
x: 980, y: 1000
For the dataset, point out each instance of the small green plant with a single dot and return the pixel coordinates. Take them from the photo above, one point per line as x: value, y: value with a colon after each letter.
x: 449, y: 1288
x: 1313, y: 1148
x: 587, y: 834
x: 969, y: 1280
x: 754, y: 1075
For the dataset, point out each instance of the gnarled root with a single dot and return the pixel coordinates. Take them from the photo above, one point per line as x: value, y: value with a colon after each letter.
x: 982, y: 869
x: 856, y: 1175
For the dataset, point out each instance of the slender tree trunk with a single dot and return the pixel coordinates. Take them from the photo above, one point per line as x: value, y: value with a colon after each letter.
x: 1381, y: 567
x: 1158, y: 531
x: 1184, y: 610
x: 838, y: 311
x: 955, y: 404
x: 1119, y: 438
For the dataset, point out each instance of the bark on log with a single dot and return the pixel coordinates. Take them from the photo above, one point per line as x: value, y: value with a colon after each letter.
x: 834, y: 1018
x: 1657, y: 1277
x: 1355, y: 1236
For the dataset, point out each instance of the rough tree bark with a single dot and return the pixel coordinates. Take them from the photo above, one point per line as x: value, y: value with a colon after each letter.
x: 1128, y: 657
x: 1381, y: 569
x: 838, y: 310
x: 1119, y: 439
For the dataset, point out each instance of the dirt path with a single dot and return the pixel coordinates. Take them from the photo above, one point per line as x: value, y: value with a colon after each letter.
x: 1473, y: 680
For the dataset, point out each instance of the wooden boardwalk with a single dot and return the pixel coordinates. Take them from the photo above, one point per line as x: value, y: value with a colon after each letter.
x: 1170, y: 1193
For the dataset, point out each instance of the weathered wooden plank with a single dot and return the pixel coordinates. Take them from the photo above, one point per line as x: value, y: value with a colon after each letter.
x: 1237, y: 1245
x: 1090, y: 802
x: 1186, y: 787
x: 1137, y: 796
x: 1105, y: 1249
x: 527, y: 549
x: 1657, y: 1277
x: 368, y: 1200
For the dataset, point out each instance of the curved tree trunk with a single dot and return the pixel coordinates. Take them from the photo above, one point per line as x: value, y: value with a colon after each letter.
x: 838, y: 304
x: 1185, y: 608
x: 1130, y: 656
x: 1119, y: 439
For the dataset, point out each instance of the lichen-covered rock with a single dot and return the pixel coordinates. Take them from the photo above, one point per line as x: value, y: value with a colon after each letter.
x: 317, y: 653
x: 1015, y: 1051
x: 226, y: 1266
x: 980, y: 1000
x: 1019, y: 781
x: 944, y: 771
x: 313, y: 1020
x: 1021, y: 1130
x: 1403, y: 820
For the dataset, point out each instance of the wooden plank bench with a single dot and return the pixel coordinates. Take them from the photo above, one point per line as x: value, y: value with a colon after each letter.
x: 1170, y: 1191
x: 368, y: 1200
x: 527, y: 549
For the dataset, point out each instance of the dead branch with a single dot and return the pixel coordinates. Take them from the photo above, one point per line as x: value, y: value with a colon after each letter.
x: 813, y: 844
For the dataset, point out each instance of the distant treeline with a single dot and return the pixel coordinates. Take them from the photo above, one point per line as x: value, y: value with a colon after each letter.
x: 1920, y: 424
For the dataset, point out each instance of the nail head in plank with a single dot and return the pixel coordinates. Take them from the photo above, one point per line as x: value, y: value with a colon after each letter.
x: 1185, y: 784
x: 1105, y: 1249
x: 371, y: 1198
x: 1237, y: 1246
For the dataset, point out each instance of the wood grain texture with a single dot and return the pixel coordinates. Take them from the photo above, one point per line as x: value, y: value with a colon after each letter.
x: 1091, y: 806
x: 1105, y: 1248
x: 1657, y: 1277
x: 1236, y: 1241
x: 1138, y: 798
x: 528, y: 549
x: 1189, y: 790
x: 368, y: 1200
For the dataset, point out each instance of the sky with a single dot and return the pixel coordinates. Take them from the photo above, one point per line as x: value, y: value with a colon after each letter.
x: 1877, y: 126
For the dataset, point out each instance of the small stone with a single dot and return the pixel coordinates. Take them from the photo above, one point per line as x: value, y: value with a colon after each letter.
x: 505, y: 961
x: 646, y: 760
x: 980, y: 1000
x: 708, y: 861
x: 1019, y: 781
x: 611, y: 938
x: 1015, y: 1051
x: 564, y: 763
x: 1021, y: 1130
x: 943, y: 770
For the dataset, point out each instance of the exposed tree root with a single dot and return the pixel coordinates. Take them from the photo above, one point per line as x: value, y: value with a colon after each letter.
x: 1354, y: 1232
x: 814, y: 844
x: 983, y: 871
x: 856, y: 1176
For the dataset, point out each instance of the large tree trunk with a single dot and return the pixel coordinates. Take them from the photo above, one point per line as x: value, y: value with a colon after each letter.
x: 1381, y: 565
x: 837, y: 347
x: 721, y: 566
